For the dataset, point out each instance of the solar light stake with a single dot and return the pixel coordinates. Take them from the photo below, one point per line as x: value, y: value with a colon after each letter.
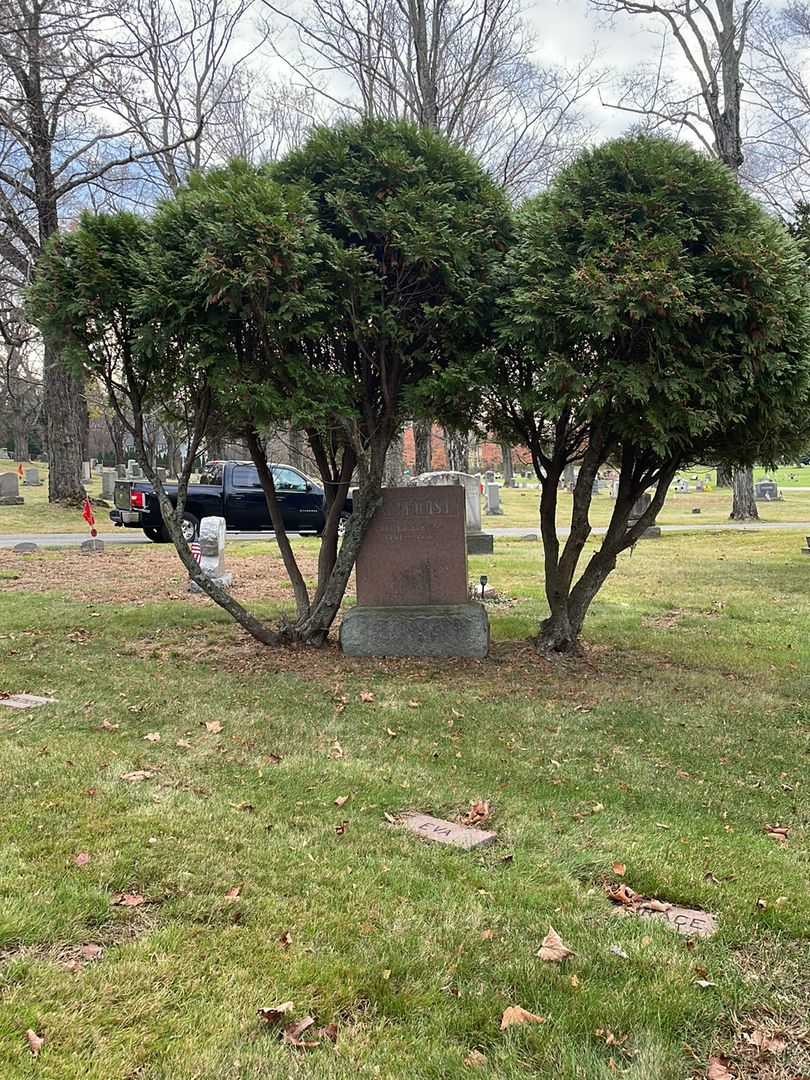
x: 483, y: 579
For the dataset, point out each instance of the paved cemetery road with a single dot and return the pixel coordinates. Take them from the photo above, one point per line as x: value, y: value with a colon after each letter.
x: 132, y: 536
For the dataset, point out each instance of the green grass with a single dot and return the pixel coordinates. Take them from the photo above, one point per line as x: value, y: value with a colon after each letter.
x: 684, y: 731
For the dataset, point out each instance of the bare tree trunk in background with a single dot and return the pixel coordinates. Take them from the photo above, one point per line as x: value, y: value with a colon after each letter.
x: 506, y: 465
x: 65, y: 413
x: 711, y: 36
x: 394, y: 463
x: 457, y: 447
x: 20, y: 439
x: 422, y: 446
x: 295, y: 441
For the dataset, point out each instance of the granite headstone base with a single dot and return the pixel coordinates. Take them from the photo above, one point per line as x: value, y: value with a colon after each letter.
x: 480, y: 543
x: 223, y: 580
x: 12, y: 500
x: 429, y: 630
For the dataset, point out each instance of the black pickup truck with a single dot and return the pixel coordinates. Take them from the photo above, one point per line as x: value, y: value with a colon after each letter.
x: 229, y: 489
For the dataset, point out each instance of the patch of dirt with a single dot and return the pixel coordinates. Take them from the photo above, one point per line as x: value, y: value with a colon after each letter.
x: 139, y: 575
x: 126, y: 927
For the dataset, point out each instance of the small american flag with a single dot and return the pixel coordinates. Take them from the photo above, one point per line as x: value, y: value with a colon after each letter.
x: 195, y: 550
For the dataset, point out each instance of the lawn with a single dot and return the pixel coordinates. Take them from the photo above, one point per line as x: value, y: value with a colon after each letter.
x: 669, y: 747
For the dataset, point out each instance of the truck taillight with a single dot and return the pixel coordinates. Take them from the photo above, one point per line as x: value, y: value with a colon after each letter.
x: 137, y: 500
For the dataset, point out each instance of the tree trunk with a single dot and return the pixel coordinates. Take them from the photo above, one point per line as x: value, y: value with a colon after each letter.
x: 457, y: 445
x: 20, y: 439
x: 295, y: 441
x: 506, y: 465
x: 65, y: 410
x: 725, y: 476
x: 744, y: 507
x: 422, y: 446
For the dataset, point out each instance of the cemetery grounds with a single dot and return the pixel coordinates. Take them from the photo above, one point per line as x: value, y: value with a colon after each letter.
x: 199, y: 828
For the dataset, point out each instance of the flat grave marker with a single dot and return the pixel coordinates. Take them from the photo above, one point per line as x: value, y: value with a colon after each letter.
x: 447, y: 832
x: 24, y: 701
x: 691, y: 922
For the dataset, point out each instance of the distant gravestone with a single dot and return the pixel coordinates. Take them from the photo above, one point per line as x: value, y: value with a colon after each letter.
x: 806, y: 550
x: 108, y: 479
x: 86, y: 472
x: 412, y: 580
x: 121, y: 470
x: 212, y: 553
x: 766, y: 490
x: 32, y: 478
x: 134, y: 471
x: 4, y: 454
x: 91, y: 546
x: 489, y: 476
x: 10, y: 490
x: 640, y: 506
x: 27, y: 547
x: 162, y: 473
x: 478, y: 542
x: 493, y: 499
x: 447, y: 832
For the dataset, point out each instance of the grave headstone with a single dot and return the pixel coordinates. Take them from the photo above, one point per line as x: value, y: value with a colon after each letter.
x: 24, y: 701
x: 91, y: 546
x: 86, y: 473
x: 640, y: 506
x: 4, y: 454
x: 98, y: 469
x: 121, y: 470
x: 596, y: 487
x: 447, y: 832
x: 478, y: 542
x: 766, y: 490
x: 493, y: 499
x: 108, y: 479
x: 134, y: 471
x: 212, y: 553
x: 412, y: 580
x: 691, y: 922
x: 489, y: 476
x: 806, y: 550
x: 32, y: 478
x: 10, y: 490
x: 162, y: 473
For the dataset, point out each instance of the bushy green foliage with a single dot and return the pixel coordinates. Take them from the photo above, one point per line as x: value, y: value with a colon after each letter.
x: 649, y: 295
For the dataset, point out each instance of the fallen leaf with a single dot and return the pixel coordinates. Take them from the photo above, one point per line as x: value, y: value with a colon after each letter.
x: 574, y: 981
x: 152, y: 736
x: 619, y: 869
x: 137, y: 776
x: 617, y: 950
x: 82, y: 859
x: 765, y: 1043
x: 293, y: 1032
x: 244, y: 807
x: 328, y: 1031
x: 478, y: 813
x: 105, y: 725
x: 341, y: 800
x: 389, y: 818
x: 779, y: 833
x: 388, y: 731
x: 487, y: 935
x: 213, y: 726
x: 413, y: 704
x: 366, y: 696
x: 124, y: 899
x: 654, y: 905
x: 285, y: 939
x: 718, y: 1069
x: 552, y: 950
x: 184, y: 743
x: 517, y: 1015
x: 597, y: 808
x: 704, y: 984
x: 35, y: 1042
x: 91, y: 951
x: 341, y: 828
x: 234, y: 892
x: 475, y: 1060
x: 273, y: 1014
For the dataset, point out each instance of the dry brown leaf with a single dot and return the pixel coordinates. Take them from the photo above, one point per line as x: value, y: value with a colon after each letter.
x: 779, y: 833
x: 622, y: 894
x: 515, y: 1014
x: 234, y: 892
x: 487, y: 935
x: 184, y: 743
x: 337, y: 751
x: 213, y: 726
x: 82, y: 858
x: 152, y: 736
x: 105, y: 725
x: 293, y: 1032
x: 619, y: 869
x: 125, y: 899
x: 654, y: 905
x: 341, y: 828
x: 413, y: 704
x: 574, y: 981
x: 328, y: 1031
x: 136, y: 776
x: 718, y: 1070
x: 341, y: 800
x: 389, y: 731
x: 475, y: 1060
x: 765, y: 1043
x: 552, y: 950
x: 35, y: 1042
x: 478, y: 813
x: 389, y: 818
x: 365, y: 696
x: 273, y: 1014
x: 91, y: 951
x: 285, y: 939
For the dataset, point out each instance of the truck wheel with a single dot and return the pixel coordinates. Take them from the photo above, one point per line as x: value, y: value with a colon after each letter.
x: 157, y: 536
x: 190, y: 527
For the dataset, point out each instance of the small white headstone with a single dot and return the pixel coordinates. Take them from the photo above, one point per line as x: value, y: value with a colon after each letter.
x: 212, y: 553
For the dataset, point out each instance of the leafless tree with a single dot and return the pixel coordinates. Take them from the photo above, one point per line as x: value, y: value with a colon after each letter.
x: 20, y: 385
x: 711, y: 36
x: 462, y: 67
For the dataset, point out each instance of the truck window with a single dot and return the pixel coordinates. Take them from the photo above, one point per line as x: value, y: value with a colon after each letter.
x: 212, y: 473
x: 289, y: 480
x: 246, y: 476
